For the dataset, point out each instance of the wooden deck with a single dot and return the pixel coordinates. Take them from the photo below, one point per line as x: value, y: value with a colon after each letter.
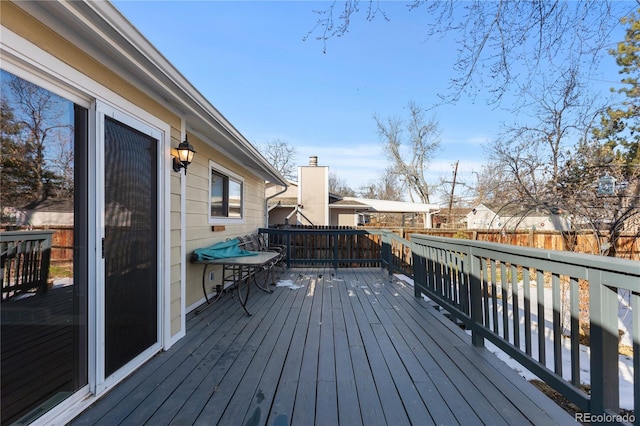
x: 350, y: 347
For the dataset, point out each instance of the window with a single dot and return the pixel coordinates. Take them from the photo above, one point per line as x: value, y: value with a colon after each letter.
x: 226, y: 195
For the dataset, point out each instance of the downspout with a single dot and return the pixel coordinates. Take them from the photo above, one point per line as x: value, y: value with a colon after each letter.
x: 266, y: 204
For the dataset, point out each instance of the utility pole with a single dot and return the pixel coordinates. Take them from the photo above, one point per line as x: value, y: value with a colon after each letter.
x: 453, y: 187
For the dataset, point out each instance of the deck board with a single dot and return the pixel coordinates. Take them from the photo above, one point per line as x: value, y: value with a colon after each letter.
x: 262, y: 399
x: 349, y: 347
x: 372, y: 412
x: 327, y: 392
x: 347, y: 393
x: 304, y: 402
x: 248, y: 389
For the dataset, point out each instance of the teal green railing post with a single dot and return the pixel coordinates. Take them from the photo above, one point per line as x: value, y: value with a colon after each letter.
x: 419, y: 268
x: 289, y: 250
x: 386, y: 251
x: 603, y: 313
x: 335, y: 250
x: 475, y: 290
x: 635, y: 331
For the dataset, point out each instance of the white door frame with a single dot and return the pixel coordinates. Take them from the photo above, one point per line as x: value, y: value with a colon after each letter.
x: 103, y: 110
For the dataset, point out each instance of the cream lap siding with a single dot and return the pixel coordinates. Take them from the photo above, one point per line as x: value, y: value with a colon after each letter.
x: 176, y: 258
x: 199, y: 232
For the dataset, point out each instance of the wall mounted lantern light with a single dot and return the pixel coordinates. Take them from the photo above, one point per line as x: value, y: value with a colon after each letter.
x: 185, y: 156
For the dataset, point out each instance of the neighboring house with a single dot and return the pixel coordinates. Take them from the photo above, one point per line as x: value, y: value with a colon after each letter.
x: 282, y: 205
x: 50, y: 212
x: 348, y: 211
x: 135, y: 220
x: 511, y: 218
x: 309, y: 202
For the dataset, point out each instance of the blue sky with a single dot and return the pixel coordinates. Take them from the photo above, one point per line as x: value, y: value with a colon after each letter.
x: 250, y: 60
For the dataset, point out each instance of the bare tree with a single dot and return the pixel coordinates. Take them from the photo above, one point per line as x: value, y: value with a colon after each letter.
x: 43, y: 147
x: 553, y: 164
x: 339, y: 186
x: 282, y: 156
x: 410, y: 155
x: 386, y: 187
x: 497, y: 40
x: 493, y: 185
x: 602, y: 194
x: 602, y: 177
x: 531, y: 155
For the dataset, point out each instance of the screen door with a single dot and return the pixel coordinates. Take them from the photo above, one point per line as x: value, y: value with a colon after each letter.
x: 130, y: 243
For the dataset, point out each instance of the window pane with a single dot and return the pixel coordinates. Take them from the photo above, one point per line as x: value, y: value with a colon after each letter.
x: 226, y: 197
x: 235, y: 199
x: 217, y: 195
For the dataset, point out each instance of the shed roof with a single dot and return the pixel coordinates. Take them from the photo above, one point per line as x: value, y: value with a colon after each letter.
x: 350, y: 203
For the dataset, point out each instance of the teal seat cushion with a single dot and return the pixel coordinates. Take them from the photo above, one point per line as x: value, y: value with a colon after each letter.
x: 221, y: 250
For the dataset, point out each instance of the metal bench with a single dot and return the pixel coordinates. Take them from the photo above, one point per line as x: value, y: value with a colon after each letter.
x: 237, y: 271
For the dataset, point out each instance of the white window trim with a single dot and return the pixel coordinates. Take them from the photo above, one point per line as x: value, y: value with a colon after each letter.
x: 224, y: 220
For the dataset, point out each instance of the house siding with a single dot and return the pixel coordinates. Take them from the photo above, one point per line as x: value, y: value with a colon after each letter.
x: 176, y: 258
x: 344, y: 217
x: 483, y: 217
x: 199, y: 232
x: 279, y: 216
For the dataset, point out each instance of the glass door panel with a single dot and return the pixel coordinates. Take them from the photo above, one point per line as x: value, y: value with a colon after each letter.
x: 43, y: 249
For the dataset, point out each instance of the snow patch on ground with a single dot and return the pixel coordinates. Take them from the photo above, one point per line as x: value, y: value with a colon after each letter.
x: 289, y: 284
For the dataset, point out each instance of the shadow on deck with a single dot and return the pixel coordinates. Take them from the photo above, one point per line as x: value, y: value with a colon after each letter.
x: 352, y: 346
